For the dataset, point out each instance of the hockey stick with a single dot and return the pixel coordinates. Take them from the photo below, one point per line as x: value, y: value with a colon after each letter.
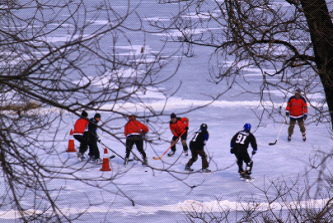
x: 273, y: 143
x: 159, y: 158
x: 113, y: 151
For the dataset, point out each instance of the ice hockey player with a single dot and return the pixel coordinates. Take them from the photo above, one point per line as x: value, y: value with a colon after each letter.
x: 179, y: 128
x: 196, y: 145
x: 239, y: 145
x: 80, y: 133
x: 94, y: 152
x: 297, y: 109
x: 134, y: 132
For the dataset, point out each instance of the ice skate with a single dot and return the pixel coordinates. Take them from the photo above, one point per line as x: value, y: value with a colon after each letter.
x: 126, y: 160
x: 242, y: 175
x: 248, y: 178
x: 80, y: 156
x: 171, y: 153
x: 245, y: 176
x: 145, y: 162
x: 98, y: 161
x: 187, y: 168
x: 206, y: 170
x: 91, y: 159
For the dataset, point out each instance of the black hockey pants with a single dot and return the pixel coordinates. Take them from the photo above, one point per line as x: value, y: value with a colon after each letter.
x: 134, y: 139
x: 243, y: 156
x: 83, y: 139
x: 93, y: 149
x: 195, y: 151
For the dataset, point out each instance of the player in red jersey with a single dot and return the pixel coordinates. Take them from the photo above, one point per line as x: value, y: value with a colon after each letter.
x: 179, y: 128
x: 80, y: 133
x: 134, y: 132
x: 297, y: 110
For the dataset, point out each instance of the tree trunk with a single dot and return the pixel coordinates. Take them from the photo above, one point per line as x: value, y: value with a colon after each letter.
x: 321, y: 31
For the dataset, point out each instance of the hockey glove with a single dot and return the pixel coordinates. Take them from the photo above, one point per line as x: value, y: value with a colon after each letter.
x: 253, y: 152
x: 232, y: 150
x: 305, y: 117
x: 287, y: 114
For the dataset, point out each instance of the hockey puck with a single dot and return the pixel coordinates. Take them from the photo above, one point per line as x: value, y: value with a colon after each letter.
x: 145, y: 170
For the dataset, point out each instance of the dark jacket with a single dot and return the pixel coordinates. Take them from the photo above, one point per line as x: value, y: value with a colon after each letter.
x: 199, y: 140
x: 241, y: 140
x: 92, y: 127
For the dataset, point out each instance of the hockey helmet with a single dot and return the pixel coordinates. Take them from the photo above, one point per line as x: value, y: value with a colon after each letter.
x: 247, y: 127
x: 204, y: 127
x: 84, y: 114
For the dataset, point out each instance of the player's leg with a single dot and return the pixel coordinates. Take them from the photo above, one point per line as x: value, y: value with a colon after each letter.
x: 291, y: 127
x: 129, y: 144
x: 84, y: 143
x: 194, y: 157
x: 205, y: 163
x: 302, y: 128
x: 94, y: 150
x: 184, y: 142
x: 238, y: 155
x: 249, y: 162
x: 140, y: 147
x: 173, y: 148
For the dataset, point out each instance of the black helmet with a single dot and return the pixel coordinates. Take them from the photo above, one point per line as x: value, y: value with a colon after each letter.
x: 204, y: 127
x: 84, y: 114
x: 173, y: 115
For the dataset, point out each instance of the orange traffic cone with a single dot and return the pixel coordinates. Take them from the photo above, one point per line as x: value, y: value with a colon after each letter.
x: 71, y: 147
x: 105, y: 164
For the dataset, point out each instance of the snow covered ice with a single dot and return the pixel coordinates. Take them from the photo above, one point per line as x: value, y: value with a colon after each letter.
x: 160, y: 197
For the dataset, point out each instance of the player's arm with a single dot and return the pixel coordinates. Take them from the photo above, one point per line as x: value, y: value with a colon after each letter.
x: 305, y: 108
x: 232, y: 143
x: 253, y: 142
x: 206, y: 138
x: 287, y: 109
x: 144, y: 128
x: 173, y: 130
x: 126, y: 131
x: 186, y: 121
x: 233, y: 140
